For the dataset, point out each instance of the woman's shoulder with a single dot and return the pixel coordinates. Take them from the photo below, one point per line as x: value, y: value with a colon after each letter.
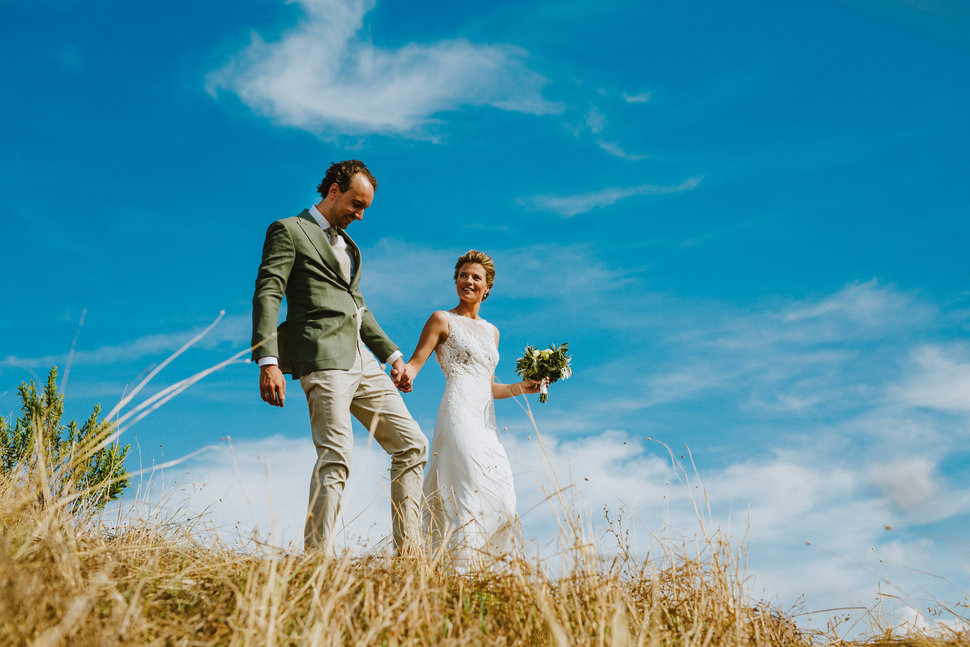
x: 440, y: 320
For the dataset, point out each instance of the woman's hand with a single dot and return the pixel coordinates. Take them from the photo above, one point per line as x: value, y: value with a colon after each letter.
x: 500, y: 391
x: 529, y: 386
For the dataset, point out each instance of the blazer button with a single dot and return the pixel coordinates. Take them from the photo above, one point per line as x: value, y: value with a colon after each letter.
x: 355, y: 315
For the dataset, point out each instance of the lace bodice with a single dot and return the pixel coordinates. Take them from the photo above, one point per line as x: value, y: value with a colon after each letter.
x: 469, y: 350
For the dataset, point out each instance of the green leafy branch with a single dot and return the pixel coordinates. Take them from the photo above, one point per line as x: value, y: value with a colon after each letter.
x: 73, y: 461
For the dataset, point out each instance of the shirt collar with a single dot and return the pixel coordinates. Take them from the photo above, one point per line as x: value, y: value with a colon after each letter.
x: 324, y: 225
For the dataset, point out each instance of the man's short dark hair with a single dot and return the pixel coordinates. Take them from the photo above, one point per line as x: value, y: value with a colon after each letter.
x: 342, y: 174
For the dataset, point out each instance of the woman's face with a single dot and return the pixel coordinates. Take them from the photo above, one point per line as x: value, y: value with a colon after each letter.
x: 470, y: 283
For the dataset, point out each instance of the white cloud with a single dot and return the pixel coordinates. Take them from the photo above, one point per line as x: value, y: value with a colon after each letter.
x: 848, y: 427
x: 596, y: 124
x: 857, y: 312
x: 568, y: 206
x: 260, y: 488
x: 908, y: 482
x: 810, y: 528
x: 642, y: 97
x: 793, y: 356
x: 867, y: 304
x: 326, y: 77
x: 262, y: 485
x: 616, y: 151
x: 940, y: 379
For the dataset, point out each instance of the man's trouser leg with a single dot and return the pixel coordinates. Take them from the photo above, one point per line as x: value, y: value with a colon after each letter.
x: 329, y: 395
x: 379, y: 406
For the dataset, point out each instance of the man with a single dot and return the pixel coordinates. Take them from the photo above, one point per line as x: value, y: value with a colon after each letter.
x: 313, y: 262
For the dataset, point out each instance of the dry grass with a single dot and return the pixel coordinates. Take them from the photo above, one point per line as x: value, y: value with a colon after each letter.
x: 66, y: 581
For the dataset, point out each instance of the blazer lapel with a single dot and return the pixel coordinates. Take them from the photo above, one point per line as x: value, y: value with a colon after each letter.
x: 318, y: 238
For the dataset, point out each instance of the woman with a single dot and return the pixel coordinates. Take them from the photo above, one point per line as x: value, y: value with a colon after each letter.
x: 468, y: 487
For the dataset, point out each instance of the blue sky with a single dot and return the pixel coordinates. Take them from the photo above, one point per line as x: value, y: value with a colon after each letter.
x: 748, y: 220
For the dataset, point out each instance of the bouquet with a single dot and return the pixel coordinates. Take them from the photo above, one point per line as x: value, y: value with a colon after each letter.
x: 552, y: 363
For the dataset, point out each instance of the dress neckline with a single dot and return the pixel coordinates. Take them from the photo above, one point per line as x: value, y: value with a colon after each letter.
x: 453, y: 314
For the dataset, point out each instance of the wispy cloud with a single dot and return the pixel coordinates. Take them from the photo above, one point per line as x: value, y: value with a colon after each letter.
x: 326, y: 77
x: 865, y: 304
x: 792, y: 356
x: 940, y: 379
x: 642, y: 97
x: 232, y: 329
x: 596, y: 122
x: 544, y: 271
x: 568, y: 206
x: 428, y: 273
x: 615, y: 150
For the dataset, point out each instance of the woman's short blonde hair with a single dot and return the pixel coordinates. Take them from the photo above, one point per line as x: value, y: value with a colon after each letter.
x: 483, y: 259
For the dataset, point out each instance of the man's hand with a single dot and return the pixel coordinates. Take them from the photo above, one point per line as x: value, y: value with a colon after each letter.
x: 272, y: 385
x: 401, y: 375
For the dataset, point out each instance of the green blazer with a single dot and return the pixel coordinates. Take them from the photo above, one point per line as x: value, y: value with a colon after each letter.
x: 320, y: 331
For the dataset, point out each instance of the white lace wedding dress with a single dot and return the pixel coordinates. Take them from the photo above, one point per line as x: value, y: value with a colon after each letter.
x: 468, y: 488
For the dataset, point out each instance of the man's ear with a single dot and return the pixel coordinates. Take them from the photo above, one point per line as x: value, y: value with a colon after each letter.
x: 334, y: 190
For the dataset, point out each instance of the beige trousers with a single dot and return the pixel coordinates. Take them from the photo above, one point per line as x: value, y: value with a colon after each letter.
x: 366, y: 392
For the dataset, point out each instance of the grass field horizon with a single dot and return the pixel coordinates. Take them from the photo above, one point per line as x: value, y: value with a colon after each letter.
x: 158, y: 579
x: 153, y: 568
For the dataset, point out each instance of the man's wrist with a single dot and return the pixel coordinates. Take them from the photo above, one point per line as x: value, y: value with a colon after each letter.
x: 396, y: 355
x: 268, y: 361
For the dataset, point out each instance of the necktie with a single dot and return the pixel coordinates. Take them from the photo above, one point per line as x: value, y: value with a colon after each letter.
x: 340, y: 251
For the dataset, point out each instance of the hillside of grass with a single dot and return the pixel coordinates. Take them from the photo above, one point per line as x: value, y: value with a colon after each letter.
x: 72, y: 580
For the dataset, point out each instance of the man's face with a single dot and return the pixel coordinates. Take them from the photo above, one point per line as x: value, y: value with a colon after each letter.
x: 349, y: 205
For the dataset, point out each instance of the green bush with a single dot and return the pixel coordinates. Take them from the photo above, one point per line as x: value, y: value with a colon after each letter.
x: 65, y: 462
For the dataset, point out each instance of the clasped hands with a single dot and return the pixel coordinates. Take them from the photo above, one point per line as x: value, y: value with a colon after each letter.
x: 402, y: 375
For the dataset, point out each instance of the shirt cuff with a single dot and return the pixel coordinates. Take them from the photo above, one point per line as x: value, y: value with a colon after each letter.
x: 268, y: 361
x: 394, y: 357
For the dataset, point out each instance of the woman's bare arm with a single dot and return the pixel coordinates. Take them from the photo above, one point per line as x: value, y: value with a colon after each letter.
x: 435, y: 331
x: 502, y: 391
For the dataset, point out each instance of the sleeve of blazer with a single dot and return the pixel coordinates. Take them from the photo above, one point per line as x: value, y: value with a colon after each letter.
x: 374, y: 337
x: 274, y: 272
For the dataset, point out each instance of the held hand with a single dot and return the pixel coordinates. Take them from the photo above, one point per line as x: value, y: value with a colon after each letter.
x: 401, y: 375
x: 272, y: 385
x: 531, y: 386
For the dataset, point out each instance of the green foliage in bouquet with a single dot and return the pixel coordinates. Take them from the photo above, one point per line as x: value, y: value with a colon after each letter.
x: 62, y: 460
x: 552, y: 363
